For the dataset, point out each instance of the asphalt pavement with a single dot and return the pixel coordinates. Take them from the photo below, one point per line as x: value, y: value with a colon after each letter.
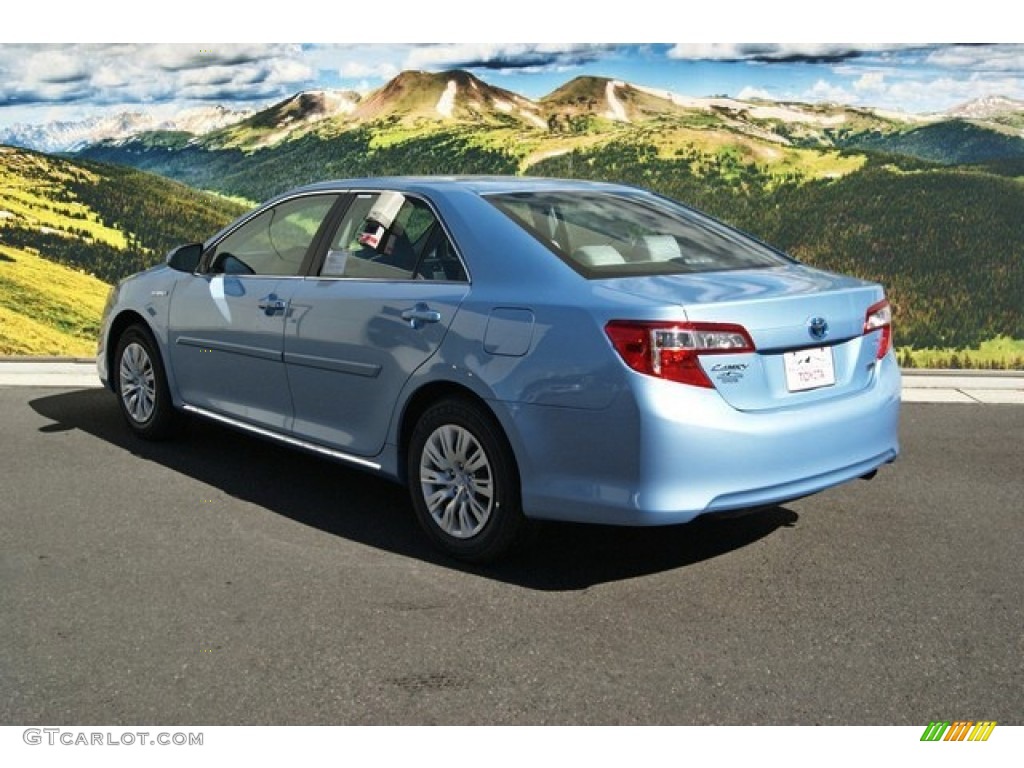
x: 219, y: 579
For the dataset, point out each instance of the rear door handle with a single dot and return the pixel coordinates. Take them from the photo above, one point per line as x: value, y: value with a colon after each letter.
x: 421, y: 314
x: 271, y: 305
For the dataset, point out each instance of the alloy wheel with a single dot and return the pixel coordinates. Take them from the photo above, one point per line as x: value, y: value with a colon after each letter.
x: 457, y: 481
x: 137, y: 383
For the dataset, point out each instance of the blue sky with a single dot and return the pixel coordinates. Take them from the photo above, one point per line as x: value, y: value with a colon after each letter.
x: 42, y: 82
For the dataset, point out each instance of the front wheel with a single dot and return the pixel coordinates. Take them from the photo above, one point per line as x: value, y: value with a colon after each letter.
x: 142, y: 389
x: 463, y: 481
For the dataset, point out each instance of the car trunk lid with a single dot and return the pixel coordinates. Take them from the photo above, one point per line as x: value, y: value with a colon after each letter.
x: 807, y: 327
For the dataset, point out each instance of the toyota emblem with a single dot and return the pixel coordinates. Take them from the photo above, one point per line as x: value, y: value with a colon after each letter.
x: 818, y: 328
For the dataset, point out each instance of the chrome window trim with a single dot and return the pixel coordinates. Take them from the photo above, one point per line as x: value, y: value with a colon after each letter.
x: 413, y: 280
x: 212, y: 275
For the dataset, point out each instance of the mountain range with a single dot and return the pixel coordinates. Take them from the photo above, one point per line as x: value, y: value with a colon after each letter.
x: 422, y: 122
x: 928, y: 205
x: 72, y: 135
x: 459, y: 98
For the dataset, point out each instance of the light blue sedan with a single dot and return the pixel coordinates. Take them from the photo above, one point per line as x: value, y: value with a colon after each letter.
x: 515, y: 348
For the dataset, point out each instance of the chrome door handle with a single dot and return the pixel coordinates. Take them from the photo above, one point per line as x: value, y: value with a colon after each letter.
x: 421, y: 314
x: 271, y: 305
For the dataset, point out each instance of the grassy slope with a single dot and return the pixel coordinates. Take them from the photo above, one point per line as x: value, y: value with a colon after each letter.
x: 95, y: 220
x: 46, y: 308
x: 33, y: 192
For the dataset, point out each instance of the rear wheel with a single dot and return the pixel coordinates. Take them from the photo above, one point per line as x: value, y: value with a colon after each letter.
x: 142, y: 389
x: 463, y: 481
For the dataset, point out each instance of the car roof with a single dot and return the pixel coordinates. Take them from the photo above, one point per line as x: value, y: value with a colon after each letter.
x: 479, y: 184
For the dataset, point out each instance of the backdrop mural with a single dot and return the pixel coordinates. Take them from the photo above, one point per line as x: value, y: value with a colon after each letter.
x: 899, y: 163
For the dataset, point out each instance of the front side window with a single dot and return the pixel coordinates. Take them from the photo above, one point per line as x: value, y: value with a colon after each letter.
x: 388, y: 235
x: 604, y: 234
x: 275, y: 241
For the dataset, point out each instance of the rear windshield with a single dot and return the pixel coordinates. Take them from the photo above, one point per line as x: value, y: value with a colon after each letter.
x: 606, y: 234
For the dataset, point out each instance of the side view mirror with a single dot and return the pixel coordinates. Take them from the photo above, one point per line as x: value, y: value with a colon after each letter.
x: 185, y: 258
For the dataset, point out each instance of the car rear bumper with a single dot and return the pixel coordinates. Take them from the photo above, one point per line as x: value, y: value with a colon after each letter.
x: 665, y: 453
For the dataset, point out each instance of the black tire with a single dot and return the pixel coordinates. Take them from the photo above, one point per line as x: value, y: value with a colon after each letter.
x: 458, y: 455
x: 141, y: 386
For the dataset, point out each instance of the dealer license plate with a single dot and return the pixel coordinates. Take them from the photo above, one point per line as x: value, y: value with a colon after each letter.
x: 809, y: 369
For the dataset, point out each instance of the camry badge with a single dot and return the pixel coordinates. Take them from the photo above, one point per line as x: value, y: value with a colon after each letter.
x: 818, y: 328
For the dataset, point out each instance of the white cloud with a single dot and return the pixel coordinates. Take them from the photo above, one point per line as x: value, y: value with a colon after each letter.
x: 945, y: 92
x: 109, y: 74
x: 502, y: 55
x: 358, y: 69
x: 361, y: 62
x: 285, y: 71
x: 777, y: 51
x: 109, y: 77
x: 55, y: 66
x: 870, y: 82
x: 913, y: 93
x: 174, y: 57
x: 989, y: 58
x: 750, y: 92
x: 823, y: 90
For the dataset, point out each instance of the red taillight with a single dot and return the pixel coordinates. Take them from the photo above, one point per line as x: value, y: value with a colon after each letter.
x: 671, y: 350
x: 879, y: 318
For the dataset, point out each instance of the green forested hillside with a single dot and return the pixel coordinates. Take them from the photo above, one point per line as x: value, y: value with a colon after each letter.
x: 67, y: 229
x: 951, y: 142
x: 948, y: 244
x: 262, y: 174
x: 108, y: 221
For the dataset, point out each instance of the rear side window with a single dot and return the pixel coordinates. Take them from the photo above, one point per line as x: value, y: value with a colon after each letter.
x: 391, y: 236
x: 604, y: 234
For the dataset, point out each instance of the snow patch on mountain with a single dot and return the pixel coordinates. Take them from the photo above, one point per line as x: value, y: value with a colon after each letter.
x: 200, y: 120
x: 788, y: 114
x: 63, y: 135
x: 691, y: 102
x: 616, y: 110
x: 339, y: 102
x: 71, y: 135
x: 446, y: 104
x: 986, y: 107
x: 785, y: 112
x: 534, y: 118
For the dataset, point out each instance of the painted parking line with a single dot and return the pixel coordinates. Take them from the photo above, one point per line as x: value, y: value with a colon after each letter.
x: 48, y: 374
x: 936, y: 396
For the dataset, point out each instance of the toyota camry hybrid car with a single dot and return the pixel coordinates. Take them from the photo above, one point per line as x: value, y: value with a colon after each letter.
x: 514, y: 348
